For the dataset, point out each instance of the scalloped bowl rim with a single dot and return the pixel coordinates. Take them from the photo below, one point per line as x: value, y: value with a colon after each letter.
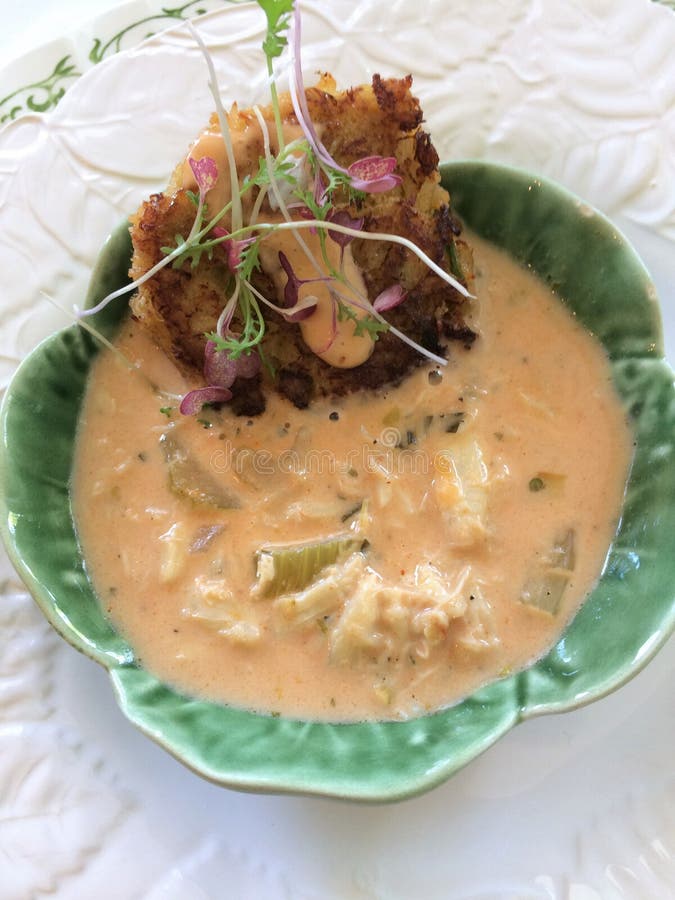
x: 117, y: 666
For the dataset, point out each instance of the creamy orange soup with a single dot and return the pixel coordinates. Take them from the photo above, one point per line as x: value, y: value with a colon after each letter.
x: 454, y: 523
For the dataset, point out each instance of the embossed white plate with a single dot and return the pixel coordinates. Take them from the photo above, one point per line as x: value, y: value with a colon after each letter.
x: 574, y: 807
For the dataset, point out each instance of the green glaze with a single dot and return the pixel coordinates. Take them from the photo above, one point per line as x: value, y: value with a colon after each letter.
x: 627, y: 618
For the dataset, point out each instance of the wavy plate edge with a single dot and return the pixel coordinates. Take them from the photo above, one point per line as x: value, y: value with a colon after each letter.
x: 123, y: 673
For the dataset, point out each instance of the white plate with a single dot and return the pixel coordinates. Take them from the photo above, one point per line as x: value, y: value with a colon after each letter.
x: 579, y: 806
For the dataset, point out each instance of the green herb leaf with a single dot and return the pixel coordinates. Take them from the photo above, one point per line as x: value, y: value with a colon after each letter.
x: 249, y: 261
x: 193, y: 252
x: 253, y: 327
x: 278, y: 13
x: 282, y: 172
x: 367, y: 325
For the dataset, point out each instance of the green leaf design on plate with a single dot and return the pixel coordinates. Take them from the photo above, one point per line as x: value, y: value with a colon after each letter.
x: 39, y: 96
x: 626, y: 619
x: 44, y: 94
x: 148, y: 26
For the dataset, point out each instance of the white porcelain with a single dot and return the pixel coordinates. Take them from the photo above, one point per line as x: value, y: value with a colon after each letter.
x: 580, y: 807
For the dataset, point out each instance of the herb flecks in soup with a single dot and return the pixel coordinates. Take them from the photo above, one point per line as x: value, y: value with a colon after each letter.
x: 375, y: 556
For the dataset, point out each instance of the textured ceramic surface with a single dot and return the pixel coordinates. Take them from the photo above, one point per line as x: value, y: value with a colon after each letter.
x: 621, y: 626
x: 578, y: 91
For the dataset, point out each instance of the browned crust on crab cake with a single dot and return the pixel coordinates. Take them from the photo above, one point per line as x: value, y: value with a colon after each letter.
x: 381, y: 119
x: 177, y: 305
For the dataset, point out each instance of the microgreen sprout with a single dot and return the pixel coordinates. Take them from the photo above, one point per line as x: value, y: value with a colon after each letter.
x: 298, y: 183
x: 373, y: 174
x: 389, y: 298
x: 236, y: 250
x: 193, y: 401
x: 278, y: 13
x: 205, y: 171
x: 293, y: 283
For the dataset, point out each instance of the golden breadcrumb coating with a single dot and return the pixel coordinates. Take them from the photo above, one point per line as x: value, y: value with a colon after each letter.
x: 179, y: 306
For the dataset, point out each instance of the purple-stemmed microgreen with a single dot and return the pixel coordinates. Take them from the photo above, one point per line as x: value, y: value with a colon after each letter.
x: 205, y: 171
x: 370, y: 175
x: 193, y: 401
x: 342, y: 217
x: 374, y: 174
x: 221, y: 370
x: 293, y: 283
x: 376, y: 323
x: 389, y: 298
x: 299, y: 99
x: 235, y: 249
x: 248, y: 364
x: 253, y: 325
x: 302, y: 309
x: 228, y: 311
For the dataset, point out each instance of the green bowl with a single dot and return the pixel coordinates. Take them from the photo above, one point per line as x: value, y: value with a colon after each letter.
x: 627, y: 618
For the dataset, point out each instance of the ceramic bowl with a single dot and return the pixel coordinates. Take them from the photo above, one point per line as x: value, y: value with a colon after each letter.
x: 624, y: 622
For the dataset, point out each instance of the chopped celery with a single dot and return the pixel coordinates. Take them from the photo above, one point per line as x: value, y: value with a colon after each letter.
x: 324, y: 597
x: 294, y: 566
x: 190, y: 480
x: 562, y: 554
x: 545, y: 589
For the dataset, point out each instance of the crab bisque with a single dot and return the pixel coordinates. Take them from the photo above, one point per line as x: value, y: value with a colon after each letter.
x: 374, y: 556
